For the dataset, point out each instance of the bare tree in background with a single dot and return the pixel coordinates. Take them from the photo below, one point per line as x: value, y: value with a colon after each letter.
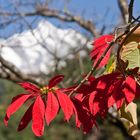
x: 42, y: 9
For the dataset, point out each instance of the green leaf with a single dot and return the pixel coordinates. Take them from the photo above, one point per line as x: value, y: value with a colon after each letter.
x: 131, y: 52
x: 111, y: 65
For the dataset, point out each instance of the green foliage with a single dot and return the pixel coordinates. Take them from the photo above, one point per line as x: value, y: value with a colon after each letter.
x: 131, y: 53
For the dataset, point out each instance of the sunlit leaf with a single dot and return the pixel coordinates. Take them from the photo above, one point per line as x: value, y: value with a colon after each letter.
x: 131, y: 52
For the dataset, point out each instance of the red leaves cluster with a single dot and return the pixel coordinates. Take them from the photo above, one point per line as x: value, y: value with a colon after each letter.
x: 93, y: 98
x: 112, y: 89
x: 45, y: 104
x: 99, y: 46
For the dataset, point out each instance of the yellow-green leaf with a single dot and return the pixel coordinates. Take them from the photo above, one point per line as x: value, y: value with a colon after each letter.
x: 131, y: 52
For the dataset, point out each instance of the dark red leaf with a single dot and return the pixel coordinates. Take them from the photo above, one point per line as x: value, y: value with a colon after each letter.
x: 6, y: 120
x: 78, y: 123
x: 100, y: 45
x: 66, y: 104
x: 84, y: 118
x: 52, y: 107
x: 137, y: 91
x: 101, y: 99
x: 55, y: 80
x: 17, y: 102
x: 25, y: 119
x: 94, y: 107
x: 117, y: 94
x: 29, y: 87
x: 38, y: 117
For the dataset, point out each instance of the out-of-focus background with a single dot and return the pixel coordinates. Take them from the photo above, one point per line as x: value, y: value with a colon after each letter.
x: 41, y: 38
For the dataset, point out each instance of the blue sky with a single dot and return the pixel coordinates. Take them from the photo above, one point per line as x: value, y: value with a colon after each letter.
x: 99, y: 11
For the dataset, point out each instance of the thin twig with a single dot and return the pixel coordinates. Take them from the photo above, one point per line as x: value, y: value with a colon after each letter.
x: 130, y: 11
x: 18, y: 73
x: 93, y: 68
x: 103, y: 55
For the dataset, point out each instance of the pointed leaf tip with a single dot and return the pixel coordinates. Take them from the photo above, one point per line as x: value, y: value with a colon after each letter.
x: 31, y: 88
x: 16, y: 103
x: 55, y: 80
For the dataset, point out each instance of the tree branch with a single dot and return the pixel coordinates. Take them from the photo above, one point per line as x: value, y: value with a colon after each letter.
x: 124, y: 10
x: 61, y: 15
x: 15, y: 74
x: 130, y: 10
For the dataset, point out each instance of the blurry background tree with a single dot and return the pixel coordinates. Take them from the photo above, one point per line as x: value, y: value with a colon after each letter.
x: 40, y: 38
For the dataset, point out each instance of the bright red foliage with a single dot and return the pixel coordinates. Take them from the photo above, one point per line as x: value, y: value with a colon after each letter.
x: 112, y: 89
x: 45, y: 103
x: 38, y: 113
x: 99, y: 94
x: 93, y: 98
x: 83, y: 116
x: 52, y: 107
x: 99, y: 46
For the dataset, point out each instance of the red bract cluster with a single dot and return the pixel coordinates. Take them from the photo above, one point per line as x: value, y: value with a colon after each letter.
x: 92, y: 99
x: 84, y: 118
x: 99, y: 46
x: 45, y: 104
x: 107, y: 90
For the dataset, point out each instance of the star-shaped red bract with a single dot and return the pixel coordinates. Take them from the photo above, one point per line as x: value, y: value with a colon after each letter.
x: 99, y: 94
x: 112, y: 89
x: 99, y: 46
x: 44, y: 105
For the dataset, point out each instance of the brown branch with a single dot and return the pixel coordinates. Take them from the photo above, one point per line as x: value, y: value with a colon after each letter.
x: 87, y: 24
x: 114, y: 120
x: 130, y: 10
x: 92, y: 69
x: 100, y: 59
x: 124, y: 10
x: 6, y: 74
x: 15, y: 74
x: 61, y: 15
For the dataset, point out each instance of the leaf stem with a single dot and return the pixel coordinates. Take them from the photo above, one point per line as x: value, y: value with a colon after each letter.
x: 93, y: 68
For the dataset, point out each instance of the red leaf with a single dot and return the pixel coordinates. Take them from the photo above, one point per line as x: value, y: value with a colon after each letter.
x: 117, y: 94
x: 137, y: 90
x: 111, y: 101
x: 91, y: 105
x: 101, y: 99
x: 100, y: 104
x: 129, y: 89
x: 25, y: 119
x: 29, y: 87
x: 66, y: 104
x: 100, y: 45
x: 17, y: 102
x: 78, y: 123
x: 51, y: 108
x: 6, y: 120
x: 55, y: 80
x: 83, y: 117
x: 38, y: 117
